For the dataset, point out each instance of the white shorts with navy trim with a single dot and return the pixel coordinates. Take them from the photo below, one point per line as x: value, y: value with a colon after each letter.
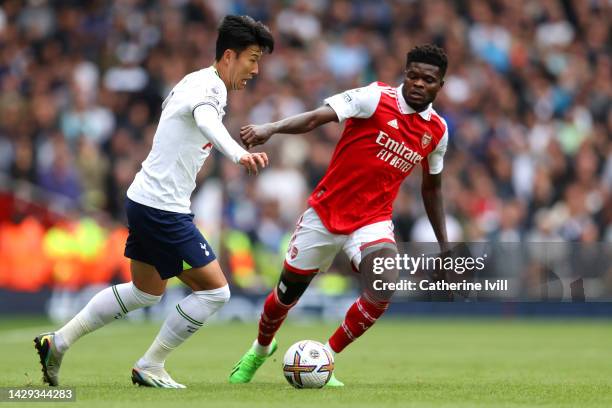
x: 313, y: 248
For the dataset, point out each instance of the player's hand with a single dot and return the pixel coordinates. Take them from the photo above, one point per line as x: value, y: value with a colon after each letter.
x: 253, y: 135
x: 252, y: 162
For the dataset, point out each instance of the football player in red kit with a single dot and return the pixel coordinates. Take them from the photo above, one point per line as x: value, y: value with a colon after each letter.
x: 388, y: 132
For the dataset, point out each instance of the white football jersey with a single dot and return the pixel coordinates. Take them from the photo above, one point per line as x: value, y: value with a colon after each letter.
x: 168, y: 175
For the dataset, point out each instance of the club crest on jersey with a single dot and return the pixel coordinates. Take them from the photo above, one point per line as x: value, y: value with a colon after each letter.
x: 425, y: 140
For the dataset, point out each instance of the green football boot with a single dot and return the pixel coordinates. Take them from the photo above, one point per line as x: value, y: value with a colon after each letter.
x: 334, y: 382
x: 245, y: 369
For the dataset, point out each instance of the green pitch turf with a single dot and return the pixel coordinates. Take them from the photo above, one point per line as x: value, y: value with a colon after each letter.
x: 399, y: 363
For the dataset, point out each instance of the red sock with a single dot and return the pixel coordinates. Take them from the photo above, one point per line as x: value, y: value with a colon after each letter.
x: 359, y: 318
x: 273, y: 315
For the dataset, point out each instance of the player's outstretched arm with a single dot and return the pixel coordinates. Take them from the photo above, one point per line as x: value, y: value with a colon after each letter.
x: 253, y: 135
x: 431, y: 190
x: 209, y: 124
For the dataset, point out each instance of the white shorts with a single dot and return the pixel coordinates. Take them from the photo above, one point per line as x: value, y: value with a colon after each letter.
x: 313, y: 248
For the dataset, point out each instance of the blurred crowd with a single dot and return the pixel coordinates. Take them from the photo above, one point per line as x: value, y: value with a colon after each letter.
x: 527, y: 99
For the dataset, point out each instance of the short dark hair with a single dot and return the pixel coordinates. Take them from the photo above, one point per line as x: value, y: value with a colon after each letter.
x: 428, y: 54
x: 239, y: 32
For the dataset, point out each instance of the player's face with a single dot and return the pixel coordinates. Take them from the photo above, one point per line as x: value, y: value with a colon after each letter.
x: 244, y: 66
x: 421, y: 84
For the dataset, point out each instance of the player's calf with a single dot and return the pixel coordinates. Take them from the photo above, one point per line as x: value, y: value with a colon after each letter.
x: 108, y: 305
x: 291, y: 286
x: 376, y: 273
x: 187, y: 318
x: 373, y: 301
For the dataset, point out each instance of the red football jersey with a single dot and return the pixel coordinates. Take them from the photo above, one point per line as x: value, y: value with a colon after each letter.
x: 383, y: 140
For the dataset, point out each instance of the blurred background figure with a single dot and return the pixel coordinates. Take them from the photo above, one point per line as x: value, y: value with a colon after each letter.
x: 527, y: 99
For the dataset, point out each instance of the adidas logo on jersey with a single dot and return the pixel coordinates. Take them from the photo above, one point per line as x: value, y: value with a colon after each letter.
x: 393, y: 123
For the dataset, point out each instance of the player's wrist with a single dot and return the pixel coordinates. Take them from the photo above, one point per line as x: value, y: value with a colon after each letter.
x: 271, y: 128
x: 240, y: 156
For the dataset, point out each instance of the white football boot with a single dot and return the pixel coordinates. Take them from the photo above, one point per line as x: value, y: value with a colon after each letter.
x: 155, y: 377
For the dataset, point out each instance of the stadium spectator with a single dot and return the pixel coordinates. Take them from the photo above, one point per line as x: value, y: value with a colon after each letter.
x: 527, y: 100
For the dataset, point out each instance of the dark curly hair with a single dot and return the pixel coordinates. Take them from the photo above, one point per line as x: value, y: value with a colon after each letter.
x: 239, y: 32
x: 428, y: 54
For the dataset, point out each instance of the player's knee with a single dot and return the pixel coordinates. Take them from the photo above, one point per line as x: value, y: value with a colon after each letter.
x: 225, y: 295
x: 217, y: 297
x: 291, y: 287
x: 143, y: 298
x: 374, y: 259
x: 378, y: 275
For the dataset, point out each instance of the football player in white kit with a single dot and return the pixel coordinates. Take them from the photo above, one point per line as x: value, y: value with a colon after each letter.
x: 163, y: 241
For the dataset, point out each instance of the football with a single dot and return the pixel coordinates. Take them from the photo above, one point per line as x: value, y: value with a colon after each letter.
x: 308, y: 364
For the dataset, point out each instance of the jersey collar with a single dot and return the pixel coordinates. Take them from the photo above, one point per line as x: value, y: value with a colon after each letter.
x: 214, y: 70
x: 406, y: 109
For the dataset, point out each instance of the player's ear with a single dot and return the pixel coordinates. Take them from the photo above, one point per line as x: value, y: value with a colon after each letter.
x: 227, y: 55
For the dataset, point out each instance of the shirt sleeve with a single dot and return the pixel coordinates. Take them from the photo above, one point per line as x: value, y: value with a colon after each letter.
x: 212, y: 94
x: 435, y: 159
x: 355, y: 103
x: 213, y: 130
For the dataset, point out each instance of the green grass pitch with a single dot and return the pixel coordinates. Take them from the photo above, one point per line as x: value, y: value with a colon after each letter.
x: 399, y: 363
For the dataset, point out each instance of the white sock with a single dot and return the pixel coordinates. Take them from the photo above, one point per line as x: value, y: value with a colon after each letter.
x: 188, y: 316
x: 261, y: 350
x: 110, y: 304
